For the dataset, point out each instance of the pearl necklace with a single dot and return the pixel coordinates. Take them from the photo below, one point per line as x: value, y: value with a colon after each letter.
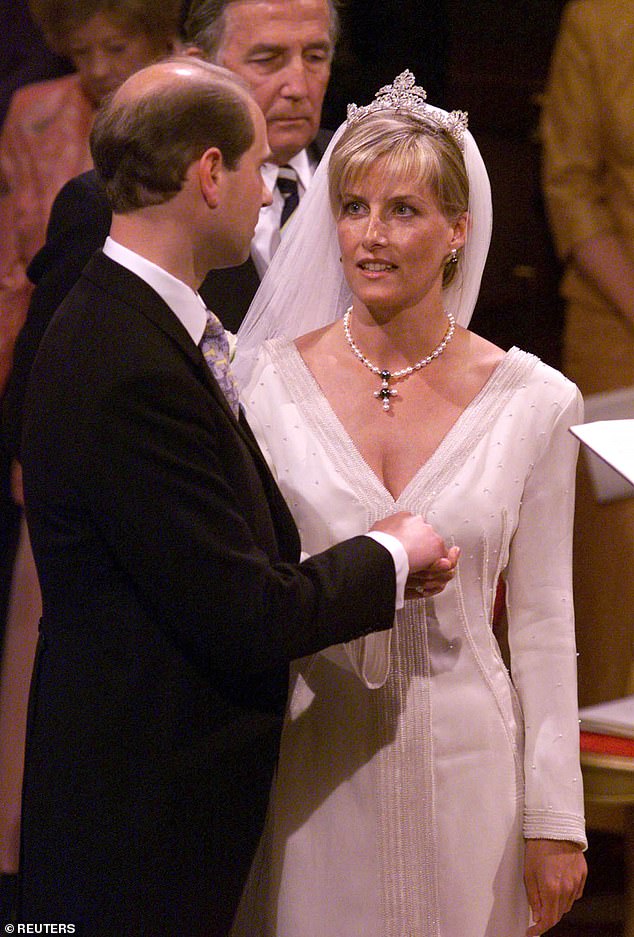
x: 386, y: 392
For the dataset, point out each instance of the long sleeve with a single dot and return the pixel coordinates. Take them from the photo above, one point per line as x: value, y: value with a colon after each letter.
x: 15, y: 289
x: 22, y: 220
x: 541, y: 633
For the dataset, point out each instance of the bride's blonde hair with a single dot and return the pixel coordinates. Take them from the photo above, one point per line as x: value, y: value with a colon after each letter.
x: 407, y: 148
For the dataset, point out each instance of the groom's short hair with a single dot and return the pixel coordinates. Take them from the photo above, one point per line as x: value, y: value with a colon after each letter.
x: 150, y: 131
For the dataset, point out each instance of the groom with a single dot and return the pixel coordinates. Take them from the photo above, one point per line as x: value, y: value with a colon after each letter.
x: 169, y: 563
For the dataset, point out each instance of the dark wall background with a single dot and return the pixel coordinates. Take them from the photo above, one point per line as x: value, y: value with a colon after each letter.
x: 490, y: 59
x: 381, y: 38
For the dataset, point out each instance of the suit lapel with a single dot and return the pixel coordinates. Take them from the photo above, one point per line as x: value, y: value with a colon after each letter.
x: 113, y: 278
x: 131, y: 290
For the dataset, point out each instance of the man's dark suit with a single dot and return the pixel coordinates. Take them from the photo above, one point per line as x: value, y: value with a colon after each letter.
x: 172, y: 605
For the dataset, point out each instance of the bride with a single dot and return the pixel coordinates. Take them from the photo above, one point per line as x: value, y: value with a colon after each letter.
x: 423, y: 790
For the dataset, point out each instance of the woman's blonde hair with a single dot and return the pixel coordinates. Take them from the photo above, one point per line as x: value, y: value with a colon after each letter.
x: 407, y: 147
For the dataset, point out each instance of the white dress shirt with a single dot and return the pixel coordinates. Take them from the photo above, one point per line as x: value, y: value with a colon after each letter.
x: 185, y: 303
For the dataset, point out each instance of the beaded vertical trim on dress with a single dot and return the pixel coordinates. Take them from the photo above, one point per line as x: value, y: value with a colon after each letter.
x: 408, y: 849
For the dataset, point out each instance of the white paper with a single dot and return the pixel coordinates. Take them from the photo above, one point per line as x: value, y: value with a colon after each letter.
x: 616, y: 717
x: 613, y: 442
x: 610, y: 452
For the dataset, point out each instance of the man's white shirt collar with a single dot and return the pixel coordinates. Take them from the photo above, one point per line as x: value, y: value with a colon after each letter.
x: 300, y: 163
x: 185, y: 303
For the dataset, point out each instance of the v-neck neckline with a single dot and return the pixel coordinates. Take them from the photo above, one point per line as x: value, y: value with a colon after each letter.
x: 463, y: 435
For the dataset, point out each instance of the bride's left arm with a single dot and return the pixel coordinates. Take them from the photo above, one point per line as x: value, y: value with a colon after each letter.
x: 541, y: 619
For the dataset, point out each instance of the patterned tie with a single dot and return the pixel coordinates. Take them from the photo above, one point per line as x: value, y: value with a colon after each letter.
x: 215, y: 349
x: 287, y: 184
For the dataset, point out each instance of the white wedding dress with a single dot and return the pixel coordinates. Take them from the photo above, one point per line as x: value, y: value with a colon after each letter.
x: 412, y: 764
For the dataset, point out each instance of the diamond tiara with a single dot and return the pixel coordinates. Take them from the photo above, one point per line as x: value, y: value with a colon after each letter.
x: 404, y: 94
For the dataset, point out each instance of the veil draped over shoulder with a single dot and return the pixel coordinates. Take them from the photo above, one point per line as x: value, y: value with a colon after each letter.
x: 304, y: 288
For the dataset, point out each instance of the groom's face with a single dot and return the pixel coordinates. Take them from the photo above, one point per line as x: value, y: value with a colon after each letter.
x: 283, y: 49
x: 242, y: 194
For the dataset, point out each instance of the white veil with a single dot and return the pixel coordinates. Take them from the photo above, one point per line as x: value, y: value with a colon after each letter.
x: 304, y: 288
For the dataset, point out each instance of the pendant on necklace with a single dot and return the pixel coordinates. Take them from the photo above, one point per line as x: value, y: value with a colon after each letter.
x: 386, y: 391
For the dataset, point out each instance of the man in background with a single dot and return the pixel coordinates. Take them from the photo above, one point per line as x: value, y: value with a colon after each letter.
x: 284, y: 50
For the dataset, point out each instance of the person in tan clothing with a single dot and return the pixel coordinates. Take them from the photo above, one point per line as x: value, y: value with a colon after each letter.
x: 587, y: 130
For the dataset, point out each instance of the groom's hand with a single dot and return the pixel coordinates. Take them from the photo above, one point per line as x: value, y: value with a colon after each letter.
x: 423, y: 545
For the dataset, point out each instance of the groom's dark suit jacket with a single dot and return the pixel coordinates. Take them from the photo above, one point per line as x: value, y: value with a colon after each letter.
x: 172, y: 606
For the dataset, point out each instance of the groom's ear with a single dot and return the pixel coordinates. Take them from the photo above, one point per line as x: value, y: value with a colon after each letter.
x: 211, y: 169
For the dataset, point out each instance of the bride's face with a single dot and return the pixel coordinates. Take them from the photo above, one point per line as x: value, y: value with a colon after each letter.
x: 394, y: 239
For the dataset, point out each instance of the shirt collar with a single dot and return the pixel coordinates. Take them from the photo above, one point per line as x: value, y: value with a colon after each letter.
x: 300, y: 163
x: 185, y: 303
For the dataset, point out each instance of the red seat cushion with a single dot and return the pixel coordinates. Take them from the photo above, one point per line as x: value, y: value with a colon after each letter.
x: 597, y: 744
